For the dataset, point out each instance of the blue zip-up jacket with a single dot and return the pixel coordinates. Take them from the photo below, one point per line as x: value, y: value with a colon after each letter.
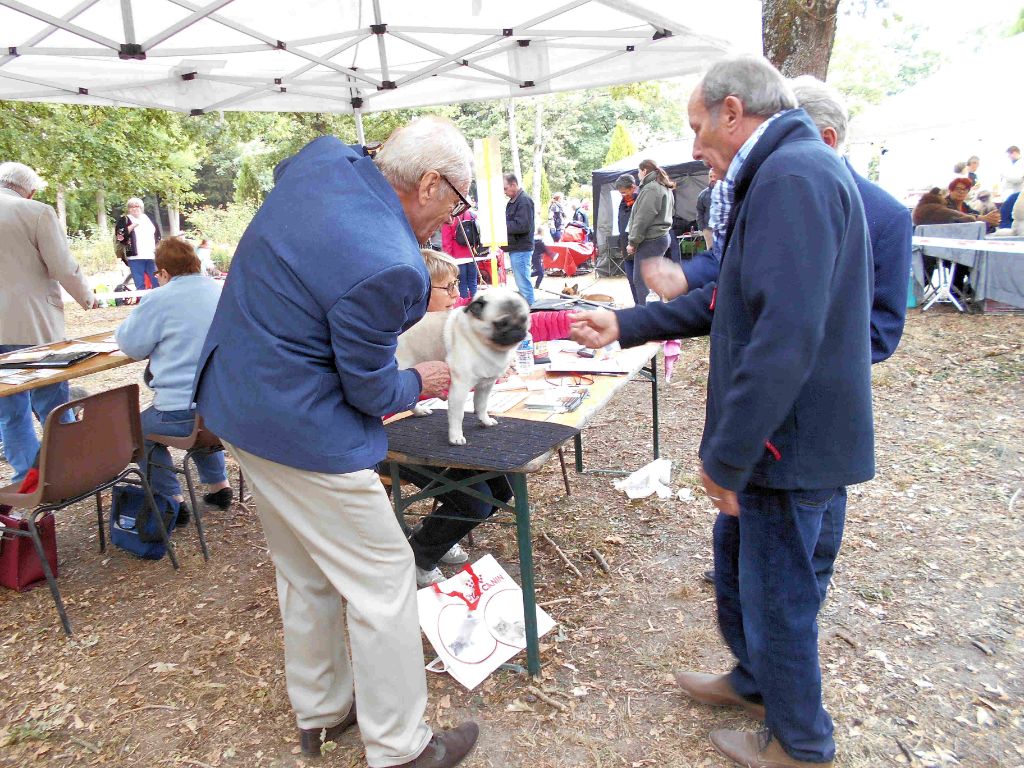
x: 168, y: 327
x: 789, y: 387
x: 299, y: 364
x: 891, y: 231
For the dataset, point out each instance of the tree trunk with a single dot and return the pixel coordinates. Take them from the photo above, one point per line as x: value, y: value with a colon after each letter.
x: 798, y: 35
x: 513, y: 140
x: 538, y: 160
x: 101, y: 211
x: 173, y: 220
x: 62, y: 208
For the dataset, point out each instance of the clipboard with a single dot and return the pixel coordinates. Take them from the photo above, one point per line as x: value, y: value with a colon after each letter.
x: 51, y: 360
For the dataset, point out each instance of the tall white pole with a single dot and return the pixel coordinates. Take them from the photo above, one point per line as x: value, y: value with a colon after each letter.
x: 358, y: 115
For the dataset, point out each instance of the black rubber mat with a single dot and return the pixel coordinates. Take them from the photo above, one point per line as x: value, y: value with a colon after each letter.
x: 509, y: 444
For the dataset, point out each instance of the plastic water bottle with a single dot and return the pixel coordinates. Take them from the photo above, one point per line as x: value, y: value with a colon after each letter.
x: 524, y: 356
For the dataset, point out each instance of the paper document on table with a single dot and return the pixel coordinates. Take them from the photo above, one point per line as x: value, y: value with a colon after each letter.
x: 21, y: 377
x: 100, y: 347
x: 26, y: 357
x: 512, y: 382
x: 564, y: 362
x: 498, y: 402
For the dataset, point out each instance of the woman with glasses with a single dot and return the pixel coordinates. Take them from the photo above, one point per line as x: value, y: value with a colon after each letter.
x: 136, y: 232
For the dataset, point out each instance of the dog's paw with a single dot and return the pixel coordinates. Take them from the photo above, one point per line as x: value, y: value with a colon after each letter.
x: 487, y: 420
x: 457, y: 439
x: 422, y: 410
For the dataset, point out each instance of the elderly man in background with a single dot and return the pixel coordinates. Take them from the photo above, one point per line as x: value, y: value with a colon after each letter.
x: 297, y: 370
x: 788, y: 422
x: 34, y: 263
x: 889, y: 225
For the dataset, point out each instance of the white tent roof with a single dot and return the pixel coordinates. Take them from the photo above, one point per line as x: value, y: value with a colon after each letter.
x: 944, y: 119
x: 664, y: 154
x: 333, y: 55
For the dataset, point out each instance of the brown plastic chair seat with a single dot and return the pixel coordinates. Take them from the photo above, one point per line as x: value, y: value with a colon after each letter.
x: 201, y: 438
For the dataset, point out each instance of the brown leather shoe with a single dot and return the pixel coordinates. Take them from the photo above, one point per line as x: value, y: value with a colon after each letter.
x: 447, y: 748
x: 757, y: 750
x: 312, y: 739
x: 716, y: 691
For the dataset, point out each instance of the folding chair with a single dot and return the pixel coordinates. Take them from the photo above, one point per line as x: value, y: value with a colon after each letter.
x: 80, y: 459
x: 202, y: 442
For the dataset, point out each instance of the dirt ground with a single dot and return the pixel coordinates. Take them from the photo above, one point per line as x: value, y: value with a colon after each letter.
x: 921, y: 638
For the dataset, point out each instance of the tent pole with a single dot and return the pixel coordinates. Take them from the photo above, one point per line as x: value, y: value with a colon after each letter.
x: 360, y: 136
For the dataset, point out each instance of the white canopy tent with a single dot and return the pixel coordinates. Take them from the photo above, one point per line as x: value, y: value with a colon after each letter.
x: 921, y: 132
x: 351, y: 55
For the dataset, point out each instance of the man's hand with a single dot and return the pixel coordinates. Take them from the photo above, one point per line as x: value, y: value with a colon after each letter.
x: 94, y: 303
x: 665, y: 277
x: 992, y: 218
x: 630, y: 250
x: 435, y: 377
x: 594, y: 329
x: 724, y: 499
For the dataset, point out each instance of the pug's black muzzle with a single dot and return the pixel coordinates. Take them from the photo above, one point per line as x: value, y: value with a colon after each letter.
x: 508, y: 337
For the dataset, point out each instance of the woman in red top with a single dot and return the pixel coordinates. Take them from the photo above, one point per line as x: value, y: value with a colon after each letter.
x: 451, y: 246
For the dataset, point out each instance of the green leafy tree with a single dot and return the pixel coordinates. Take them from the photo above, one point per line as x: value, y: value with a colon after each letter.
x: 620, y: 145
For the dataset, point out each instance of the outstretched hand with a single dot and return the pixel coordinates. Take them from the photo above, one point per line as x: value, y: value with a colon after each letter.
x: 665, y: 276
x: 594, y: 329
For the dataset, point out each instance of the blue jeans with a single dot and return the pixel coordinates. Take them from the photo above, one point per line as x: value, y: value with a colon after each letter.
x: 175, y: 424
x: 467, y: 280
x: 436, y: 536
x: 140, y: 268
x: 17, y: 429
x: 772, y: 568
x: 522, y: 263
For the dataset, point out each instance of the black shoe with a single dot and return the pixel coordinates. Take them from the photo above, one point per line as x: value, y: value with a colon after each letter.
x: 312, y: 739
x: 709, y: 576
x: 184, y: 515
x: 221, y: 498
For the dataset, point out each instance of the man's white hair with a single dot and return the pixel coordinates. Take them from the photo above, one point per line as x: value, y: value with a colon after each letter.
x: 20, y: 178
x: 429, y: 143
x: 134, y: 201
x: 753, y: 80
x: 823, y: 103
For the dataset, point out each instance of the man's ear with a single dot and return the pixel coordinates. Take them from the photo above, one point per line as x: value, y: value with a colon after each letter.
x: 476, y: 307
x: 429, y: 187
x: 730, y: 112
x: 830, y: 137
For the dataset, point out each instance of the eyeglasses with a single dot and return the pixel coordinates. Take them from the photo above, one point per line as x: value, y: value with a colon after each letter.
x: 463, y: 205
x: 452, y: 287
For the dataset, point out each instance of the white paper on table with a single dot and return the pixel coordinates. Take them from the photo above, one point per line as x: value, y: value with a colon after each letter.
x: 23, y: 376
x: 26, y: 356
x: 100, y: 347
x: 511, y: 383
x: 474, y: 632
x: 498, y: 402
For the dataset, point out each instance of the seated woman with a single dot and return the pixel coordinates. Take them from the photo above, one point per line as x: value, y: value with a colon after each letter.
x: 169, y: 326
x: 437, y: 539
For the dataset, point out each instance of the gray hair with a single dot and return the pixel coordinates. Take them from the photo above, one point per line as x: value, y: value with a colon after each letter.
x: 625, y: 181
x: 823, y: 103
x: 134, y: 201
x: 429, y: 143
x: 760, y: 87
x: 20, y: 178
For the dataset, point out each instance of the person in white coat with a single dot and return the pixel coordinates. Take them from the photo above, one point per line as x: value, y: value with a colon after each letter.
x: 35, y: 262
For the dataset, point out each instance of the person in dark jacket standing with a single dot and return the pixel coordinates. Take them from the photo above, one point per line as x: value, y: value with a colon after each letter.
x: 788, y: 423
x: 297, y: 370
x: 519, y: 224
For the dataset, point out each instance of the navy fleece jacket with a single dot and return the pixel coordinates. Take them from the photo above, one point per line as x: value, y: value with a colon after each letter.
x: 789, y: 387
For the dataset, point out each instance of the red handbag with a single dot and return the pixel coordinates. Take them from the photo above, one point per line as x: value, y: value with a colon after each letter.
x: 20, y: 568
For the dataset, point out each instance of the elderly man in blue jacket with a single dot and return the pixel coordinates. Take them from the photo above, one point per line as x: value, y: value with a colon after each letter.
x: 788, y: 423
x: 297, y: 370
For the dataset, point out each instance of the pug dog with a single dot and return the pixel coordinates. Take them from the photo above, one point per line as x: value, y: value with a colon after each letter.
x: 477, y: 341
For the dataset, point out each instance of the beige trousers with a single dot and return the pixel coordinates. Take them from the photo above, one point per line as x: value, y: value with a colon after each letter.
x: 333, y: 537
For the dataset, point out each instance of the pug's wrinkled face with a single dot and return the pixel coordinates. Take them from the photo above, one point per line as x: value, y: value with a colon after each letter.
x: 501, y: 317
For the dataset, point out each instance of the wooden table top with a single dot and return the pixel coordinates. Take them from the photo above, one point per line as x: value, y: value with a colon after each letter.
x: 95, y: 364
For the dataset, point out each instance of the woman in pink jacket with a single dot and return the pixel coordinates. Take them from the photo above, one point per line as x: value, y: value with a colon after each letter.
x: 451, y: 246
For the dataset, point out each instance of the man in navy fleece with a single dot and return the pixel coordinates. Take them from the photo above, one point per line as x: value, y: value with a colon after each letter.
x: 788, y: 423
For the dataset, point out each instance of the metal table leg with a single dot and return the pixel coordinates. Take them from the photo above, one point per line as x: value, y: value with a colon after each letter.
x: 526, y: 572
x: 654, y: 406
